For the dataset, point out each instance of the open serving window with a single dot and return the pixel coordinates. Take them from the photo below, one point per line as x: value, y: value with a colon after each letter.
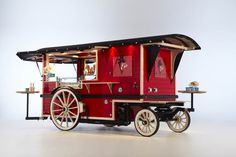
x: 70, y: 67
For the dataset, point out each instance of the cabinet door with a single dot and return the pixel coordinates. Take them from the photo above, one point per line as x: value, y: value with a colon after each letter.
x: 160, y: 82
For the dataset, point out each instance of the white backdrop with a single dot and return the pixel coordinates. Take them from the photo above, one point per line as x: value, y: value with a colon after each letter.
x: 30, y: 25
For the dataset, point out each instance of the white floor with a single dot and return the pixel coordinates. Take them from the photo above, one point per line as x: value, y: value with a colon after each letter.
x: 40, y: 138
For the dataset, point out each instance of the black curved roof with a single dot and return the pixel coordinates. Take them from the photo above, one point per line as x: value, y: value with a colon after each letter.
x: 177, y: 39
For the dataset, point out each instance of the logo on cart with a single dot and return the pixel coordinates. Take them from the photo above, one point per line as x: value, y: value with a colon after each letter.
x: 122, y: 66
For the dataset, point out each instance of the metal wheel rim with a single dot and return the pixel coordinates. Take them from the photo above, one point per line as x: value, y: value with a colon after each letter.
x: 181, y: 123
x: 64, y: 109
x: 146, y: 122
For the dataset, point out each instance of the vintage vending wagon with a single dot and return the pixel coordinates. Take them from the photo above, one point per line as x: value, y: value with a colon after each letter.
x: 115, y: 83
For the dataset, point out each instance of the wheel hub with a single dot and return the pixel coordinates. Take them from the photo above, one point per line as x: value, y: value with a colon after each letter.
x: 65, y: 109
x: 145, y: 122
x: 178, y: 119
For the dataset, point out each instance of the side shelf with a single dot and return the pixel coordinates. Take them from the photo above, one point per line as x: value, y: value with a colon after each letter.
x: 27, y: 105
x: 109, y: 85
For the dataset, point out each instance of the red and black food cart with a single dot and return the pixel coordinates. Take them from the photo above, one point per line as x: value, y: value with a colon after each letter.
x: 114, y: 83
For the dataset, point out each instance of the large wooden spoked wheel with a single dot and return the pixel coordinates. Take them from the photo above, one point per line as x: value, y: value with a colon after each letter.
x: 64, y: 109
x: 146, y: 122
x: 180, y: 123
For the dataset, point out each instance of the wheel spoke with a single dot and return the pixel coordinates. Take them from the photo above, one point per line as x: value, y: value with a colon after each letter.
x: 70, y: 118
x: 182, y: 114
x: 175, y: 125
x: 140, y: 126
x: 63, y: 117
x: 179, y: 114
x: 73, y: 108
x: 67, y: 120
x: 150, y: 117
x: 68, y: 99
x: 184, y: 121
x: 57, y: 104
x: 146, y: 128
x: 64, y: 97
x: 58, y: 115
x: 72, y: 113
x: 57, y: 110
x: 151, y: 125
x: 141, y: 118
x: 60, y: 100
x: 145, y: 115
x: 71, y: 102
x: 173, y: 122
x: 149, y: 128
x: 152, y: 121
x: 179, y: 126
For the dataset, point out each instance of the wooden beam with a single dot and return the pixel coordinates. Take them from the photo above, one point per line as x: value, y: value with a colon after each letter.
x: 172, y: 45
x: 169, y: 45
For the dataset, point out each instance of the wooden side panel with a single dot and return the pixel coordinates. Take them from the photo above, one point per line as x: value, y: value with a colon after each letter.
x: 128, y: 84
x: 106, y: 68
x: 47, y: 89
x: 160, y: 78
x: 97, y: 108
x: 109, y: 70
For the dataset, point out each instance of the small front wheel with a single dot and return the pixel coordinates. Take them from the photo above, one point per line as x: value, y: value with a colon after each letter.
x: 146, y: 122
x: 180, y: 123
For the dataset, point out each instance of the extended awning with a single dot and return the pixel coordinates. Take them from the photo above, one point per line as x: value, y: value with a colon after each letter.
x: 172, y: 41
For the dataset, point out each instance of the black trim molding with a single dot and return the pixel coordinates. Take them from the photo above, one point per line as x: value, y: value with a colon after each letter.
x: 113, y: 96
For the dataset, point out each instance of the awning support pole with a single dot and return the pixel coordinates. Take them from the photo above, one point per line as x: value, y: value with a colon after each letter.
x: 38, y: 69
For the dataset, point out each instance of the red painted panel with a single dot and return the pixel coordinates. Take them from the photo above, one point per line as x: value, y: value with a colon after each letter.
x: 47, y: 89
x: 126, y: 85
x: 46, y: 106
x: 105, y: 71
x: 162, y: 82
x: 98, y: 108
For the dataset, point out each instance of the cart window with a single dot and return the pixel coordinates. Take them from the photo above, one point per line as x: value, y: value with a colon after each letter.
x: 62, y: 72
x: 160, y: 68
x: 122, y: 66
x: 90, y: 69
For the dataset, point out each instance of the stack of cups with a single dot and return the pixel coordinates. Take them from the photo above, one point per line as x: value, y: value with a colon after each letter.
x: 31, y: 89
